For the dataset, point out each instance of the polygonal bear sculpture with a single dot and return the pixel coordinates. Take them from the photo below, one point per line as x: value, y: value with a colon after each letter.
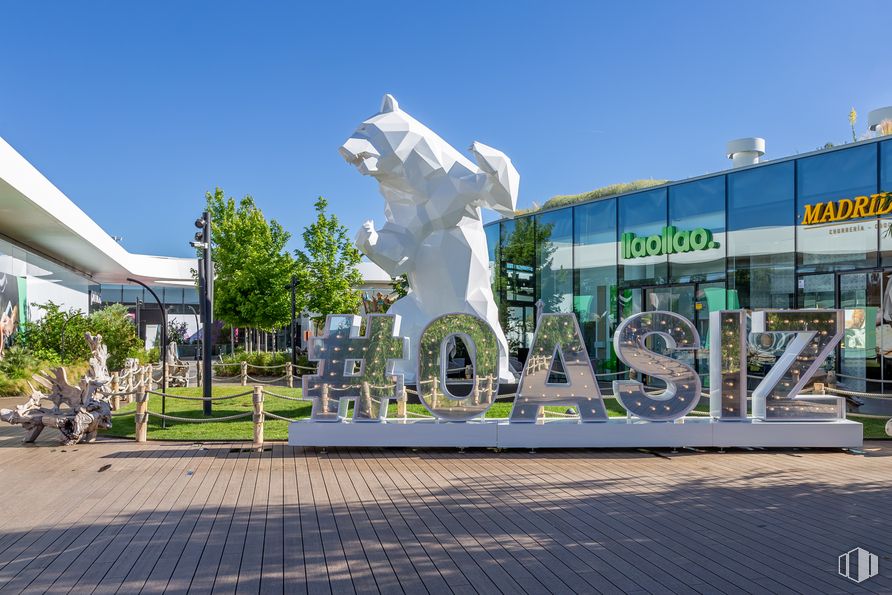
x: 434, y: 230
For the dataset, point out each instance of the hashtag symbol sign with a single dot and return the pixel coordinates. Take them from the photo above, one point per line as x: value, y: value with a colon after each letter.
x: 355, y: 367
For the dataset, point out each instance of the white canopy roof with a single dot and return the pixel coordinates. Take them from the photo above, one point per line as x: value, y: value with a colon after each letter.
x: 37, y: 215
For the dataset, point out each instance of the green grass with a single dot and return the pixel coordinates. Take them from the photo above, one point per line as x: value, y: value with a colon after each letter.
x: 874, y: 428
x: 611, y: 190
x: 243, y: 429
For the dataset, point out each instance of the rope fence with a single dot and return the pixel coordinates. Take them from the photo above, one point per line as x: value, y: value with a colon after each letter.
x: 138, y: 383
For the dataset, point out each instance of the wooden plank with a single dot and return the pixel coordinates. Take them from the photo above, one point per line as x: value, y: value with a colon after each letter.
x: 336, y: 563
x: 272, y: 578
x: 181, y: 560
x: 75, y: 520
x: 208, y: 560
x: 437, y: 521
x: 295, y: 573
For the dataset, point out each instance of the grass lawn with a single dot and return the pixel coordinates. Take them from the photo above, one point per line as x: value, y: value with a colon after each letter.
x: 243, y: 429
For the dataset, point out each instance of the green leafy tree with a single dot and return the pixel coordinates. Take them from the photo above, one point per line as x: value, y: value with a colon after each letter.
x: 43, y: 337
x: 118, y: 332
x: 401, y: 286
x: 327, y: 269
x: 251, y: 264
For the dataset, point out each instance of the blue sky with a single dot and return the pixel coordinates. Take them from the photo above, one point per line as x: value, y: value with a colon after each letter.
x: 135, y: 110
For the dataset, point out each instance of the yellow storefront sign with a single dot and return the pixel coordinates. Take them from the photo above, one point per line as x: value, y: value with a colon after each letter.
x: 848, y: 208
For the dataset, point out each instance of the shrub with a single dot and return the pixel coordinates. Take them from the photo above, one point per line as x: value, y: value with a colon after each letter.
x: 118, y: 332
x: 44, y: 337
x: 258, y: 363
x: 19, y: 363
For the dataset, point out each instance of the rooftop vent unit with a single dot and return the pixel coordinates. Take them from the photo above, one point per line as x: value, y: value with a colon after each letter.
x: 876, y: 117
x: 745, y: 151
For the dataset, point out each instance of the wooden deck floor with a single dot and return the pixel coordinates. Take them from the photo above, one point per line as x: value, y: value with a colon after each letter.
x: 203, y: 518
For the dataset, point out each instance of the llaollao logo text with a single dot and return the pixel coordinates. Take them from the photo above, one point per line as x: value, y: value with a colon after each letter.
x: 669, y: 241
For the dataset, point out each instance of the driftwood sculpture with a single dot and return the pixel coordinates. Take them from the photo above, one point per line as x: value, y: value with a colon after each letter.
x: 78, y: 412
x: 177, y: 371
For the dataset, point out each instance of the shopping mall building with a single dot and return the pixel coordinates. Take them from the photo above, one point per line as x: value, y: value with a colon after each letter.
x: 810, y: 231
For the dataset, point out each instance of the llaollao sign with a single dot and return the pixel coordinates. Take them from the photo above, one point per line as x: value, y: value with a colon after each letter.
x: 669, y: 241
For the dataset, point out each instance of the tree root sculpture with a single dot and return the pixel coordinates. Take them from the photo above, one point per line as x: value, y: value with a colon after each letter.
x: 78, y: 412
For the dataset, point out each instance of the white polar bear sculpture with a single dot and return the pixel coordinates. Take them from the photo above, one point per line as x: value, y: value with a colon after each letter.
x: 434, y: 230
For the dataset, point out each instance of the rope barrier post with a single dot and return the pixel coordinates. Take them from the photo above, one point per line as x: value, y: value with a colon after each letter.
x: 434, y: 385
x: 325, y: 397
x: 258, y: 418
x: 475, y: 392
x: 115, y: 387
x: 289, y: 375
x: 142, y: 416
x: 198, y: 370
x: 401, y: 398
x: 366, y: 398
x: 244, y: 373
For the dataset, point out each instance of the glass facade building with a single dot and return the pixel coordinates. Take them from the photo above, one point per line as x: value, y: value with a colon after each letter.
x: 812, y: 231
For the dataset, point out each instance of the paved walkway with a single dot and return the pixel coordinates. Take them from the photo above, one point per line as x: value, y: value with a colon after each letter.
x: 121, y: 517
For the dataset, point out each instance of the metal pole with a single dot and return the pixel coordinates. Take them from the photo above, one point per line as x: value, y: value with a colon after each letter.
x: 62, y: 336
x: 293, y: 320
x: 163, y: 348
x: 207, y: 299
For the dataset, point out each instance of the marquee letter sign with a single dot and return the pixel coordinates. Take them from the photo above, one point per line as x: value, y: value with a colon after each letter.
x: 815, y: 334
x: 558, y: 340
x: 355, y: 367
x: 682, y: 383
x: 558, y: 372
x: 483, y: 349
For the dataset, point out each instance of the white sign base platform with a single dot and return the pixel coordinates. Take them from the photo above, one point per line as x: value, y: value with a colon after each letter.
x: 616, y: 433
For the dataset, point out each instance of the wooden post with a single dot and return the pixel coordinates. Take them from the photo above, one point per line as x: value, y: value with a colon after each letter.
x: 435, y: 383
x: 142, y: 417
x: 401, y: 400
x: 366, y: 400
x: 489, y: 383
x: 325, y: 398
x: 115, y: 386
x: 289, y: 375
x: 198, y: 369
x: 258, y: 418
x: 244, y: 373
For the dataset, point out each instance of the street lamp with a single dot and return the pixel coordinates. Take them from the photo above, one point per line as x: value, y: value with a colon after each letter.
x: 293, y: 287
x: 163, y: 348
x: 206, y: 292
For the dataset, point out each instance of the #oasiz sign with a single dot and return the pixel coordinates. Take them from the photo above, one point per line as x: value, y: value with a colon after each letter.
x: 358, y: 367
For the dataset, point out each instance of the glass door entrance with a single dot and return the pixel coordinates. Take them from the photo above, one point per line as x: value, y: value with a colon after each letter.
x: 860, y: 360
x: 860, y: 295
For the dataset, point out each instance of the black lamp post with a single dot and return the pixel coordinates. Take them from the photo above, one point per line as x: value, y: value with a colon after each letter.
x: 163, y: 348
x: 205, y: 296
x: 293, y: 287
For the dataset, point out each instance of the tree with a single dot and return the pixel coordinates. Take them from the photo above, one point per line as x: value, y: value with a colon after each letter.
x: 327, y: 269
x: 44, y: 337
x: 251, y: 264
